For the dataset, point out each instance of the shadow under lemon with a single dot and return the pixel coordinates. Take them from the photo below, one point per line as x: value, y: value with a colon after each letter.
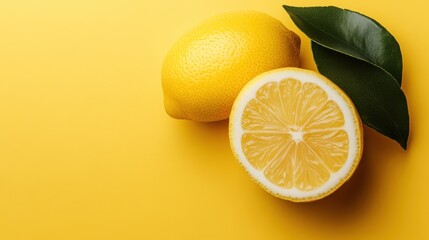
x: 208, y: 131
x: 348, y: 204
x: 204, y: 138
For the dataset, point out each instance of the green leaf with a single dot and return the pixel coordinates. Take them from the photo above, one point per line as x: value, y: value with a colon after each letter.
x: 378, y: 98
x: 350, y: 33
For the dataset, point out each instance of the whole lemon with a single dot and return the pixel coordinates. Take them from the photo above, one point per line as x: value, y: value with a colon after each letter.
x: 205, y: 70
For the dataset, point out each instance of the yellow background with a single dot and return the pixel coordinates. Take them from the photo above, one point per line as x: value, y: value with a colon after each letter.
x: 87, y: 151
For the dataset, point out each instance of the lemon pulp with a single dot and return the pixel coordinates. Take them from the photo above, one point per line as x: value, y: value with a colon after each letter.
x: 296, y: 133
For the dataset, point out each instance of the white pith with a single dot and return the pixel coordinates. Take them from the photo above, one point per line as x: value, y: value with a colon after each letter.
x: 351, y: 126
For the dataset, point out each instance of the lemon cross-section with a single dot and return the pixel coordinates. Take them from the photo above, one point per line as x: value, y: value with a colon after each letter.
x: 296, y: 133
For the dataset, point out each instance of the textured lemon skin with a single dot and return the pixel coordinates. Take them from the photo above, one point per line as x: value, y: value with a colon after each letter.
x: 205, y: 70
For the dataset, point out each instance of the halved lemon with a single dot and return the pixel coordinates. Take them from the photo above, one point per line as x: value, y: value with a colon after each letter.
x: 296, y: 133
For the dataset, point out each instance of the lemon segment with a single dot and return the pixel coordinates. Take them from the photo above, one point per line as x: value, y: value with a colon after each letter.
x: 296, y: 133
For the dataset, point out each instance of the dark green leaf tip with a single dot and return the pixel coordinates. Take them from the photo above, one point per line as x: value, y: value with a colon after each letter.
x: 364, y: 59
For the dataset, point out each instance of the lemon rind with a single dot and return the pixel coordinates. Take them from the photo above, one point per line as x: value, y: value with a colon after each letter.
x: 353, y: 127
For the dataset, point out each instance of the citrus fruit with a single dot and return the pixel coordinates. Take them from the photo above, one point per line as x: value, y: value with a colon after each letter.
x: 206, y: 69
x: 296, y: 133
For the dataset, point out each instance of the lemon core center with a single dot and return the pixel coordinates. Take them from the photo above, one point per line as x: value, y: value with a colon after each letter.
x: 296, y: 136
